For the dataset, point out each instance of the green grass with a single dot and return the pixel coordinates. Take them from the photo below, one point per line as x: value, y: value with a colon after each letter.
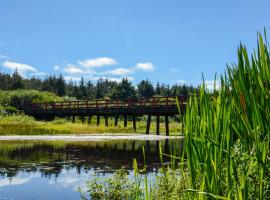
x: 25, y: 125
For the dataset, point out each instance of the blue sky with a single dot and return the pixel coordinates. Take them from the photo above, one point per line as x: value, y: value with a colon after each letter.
x: 169, y: 41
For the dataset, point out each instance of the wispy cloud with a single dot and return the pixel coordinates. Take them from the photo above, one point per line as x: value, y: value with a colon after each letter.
x: 56, y: 67
x: 22, y: 68
x: 146, y: 66
x: 73, y: 69
x: 174, y: 69
x: 210, y: 84
x: 98, y: 62
x: 40, y: 74
x: 72, y: 78
x: 3, y: 56
x: 120, y: 71
x: 181, y: 82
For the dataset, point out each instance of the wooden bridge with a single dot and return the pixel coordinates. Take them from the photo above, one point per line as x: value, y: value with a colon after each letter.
x: 155, y: 106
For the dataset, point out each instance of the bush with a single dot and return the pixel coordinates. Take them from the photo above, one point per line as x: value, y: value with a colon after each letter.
x: 118, y: 187
x: 18, y: 98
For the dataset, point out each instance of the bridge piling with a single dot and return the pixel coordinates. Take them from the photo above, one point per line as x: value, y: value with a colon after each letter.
x: 134, y: 123
x: 82, y: 117
x: 106, y: 120
x: 98, y: 120
x: 157, y: 121
x: 116, y: 121
x: 148, y: 124
x: 73, y: 118
x: 125, y: 121
x: 167, y: 124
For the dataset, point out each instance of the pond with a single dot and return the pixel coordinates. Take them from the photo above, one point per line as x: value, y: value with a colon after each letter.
x: 55, y: 170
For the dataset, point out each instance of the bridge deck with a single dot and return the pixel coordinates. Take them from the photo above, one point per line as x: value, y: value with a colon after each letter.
x: 158, y: 106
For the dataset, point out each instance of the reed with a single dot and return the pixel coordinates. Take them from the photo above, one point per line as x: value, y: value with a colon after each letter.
x: 227, y: 132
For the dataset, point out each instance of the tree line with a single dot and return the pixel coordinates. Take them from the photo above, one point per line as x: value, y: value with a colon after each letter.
x: 103, y: 88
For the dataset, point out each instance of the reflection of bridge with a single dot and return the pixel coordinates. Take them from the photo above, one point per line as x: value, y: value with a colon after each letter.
x: 155, y: 106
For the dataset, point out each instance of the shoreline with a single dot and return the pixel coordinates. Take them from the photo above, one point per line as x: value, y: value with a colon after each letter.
x: 86, y: 138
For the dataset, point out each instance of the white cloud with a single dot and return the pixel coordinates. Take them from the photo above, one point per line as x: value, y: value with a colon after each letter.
x: 98, y: 62
x: 39, y: 74
x: 175, y: 69
x: 119, y: 71
x: 210, y: 84
x: 180, y: 82
x: 147, y: 66
x: 3, y: 56
x: 56, y: 67
x: 72, y: 69
x: 22, y: 68
x: 73, y: 78
x: 96, y: 78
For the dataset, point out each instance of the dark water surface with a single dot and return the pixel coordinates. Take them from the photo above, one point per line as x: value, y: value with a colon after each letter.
x: 32, y: 170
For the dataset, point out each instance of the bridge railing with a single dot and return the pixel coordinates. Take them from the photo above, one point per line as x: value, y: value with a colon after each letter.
x: 107, y: 103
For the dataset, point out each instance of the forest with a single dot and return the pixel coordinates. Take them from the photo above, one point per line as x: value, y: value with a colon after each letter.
x: 103, y: 88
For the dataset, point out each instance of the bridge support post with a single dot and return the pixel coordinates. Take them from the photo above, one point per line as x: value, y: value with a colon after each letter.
x: 89, y: 119
x: 98, y: 120
x: 106, y: 120
x: 158, y: 120
x: 116, y: 121
x: 148, y: 124
x: 73, y: 118
x: 167, y: 125
x: 134, y: 123
x: 125, y: 121
x: 82, y: 119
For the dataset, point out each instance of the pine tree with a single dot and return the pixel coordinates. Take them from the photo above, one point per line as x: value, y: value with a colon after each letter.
x: 145, y: 89
x: 17, y: 81
x: 124, y: 90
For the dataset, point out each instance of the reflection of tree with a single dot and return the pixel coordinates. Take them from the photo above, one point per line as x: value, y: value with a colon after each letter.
x: 50, y: 159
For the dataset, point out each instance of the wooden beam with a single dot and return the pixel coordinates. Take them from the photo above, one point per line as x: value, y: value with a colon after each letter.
x: 134, y: 123
x: 167, y: 124
x: 82, y: 119
x: 125, y: 121
x: 98, y: 120
x: 116, y: 121
x: 106, y: 120
x: 158, y: 120
x: 148, y: 124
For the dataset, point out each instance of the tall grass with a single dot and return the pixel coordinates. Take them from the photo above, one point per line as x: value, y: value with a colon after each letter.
x: 227, y: 133
x: 25, y: 125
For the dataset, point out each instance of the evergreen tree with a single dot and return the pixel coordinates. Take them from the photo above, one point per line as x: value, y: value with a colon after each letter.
x: 60, y: 86
x: 17, y: 81
x: 145, y: 89
x: 82, y: 90
x: 124, y: 90
x: 99, y: 93
x: 157, y: 92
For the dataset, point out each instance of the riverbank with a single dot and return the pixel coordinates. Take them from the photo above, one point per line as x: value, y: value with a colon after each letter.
x: 25, y: 125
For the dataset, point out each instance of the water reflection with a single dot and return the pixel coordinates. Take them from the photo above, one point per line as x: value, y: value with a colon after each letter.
x: 60, y: 167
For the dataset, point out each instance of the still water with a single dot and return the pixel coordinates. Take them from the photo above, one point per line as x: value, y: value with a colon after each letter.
x: 32, y: 170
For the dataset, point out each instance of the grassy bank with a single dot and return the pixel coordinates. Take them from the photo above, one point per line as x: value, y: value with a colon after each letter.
x: 25, y: 125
